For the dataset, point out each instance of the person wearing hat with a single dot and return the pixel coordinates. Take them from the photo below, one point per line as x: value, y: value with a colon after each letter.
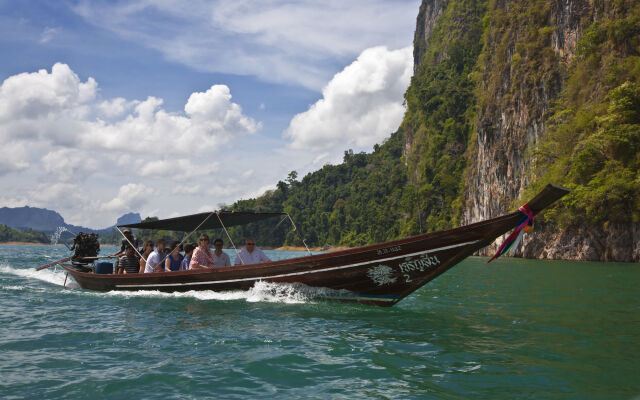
x: 123, y: 248
x: 125, y: 243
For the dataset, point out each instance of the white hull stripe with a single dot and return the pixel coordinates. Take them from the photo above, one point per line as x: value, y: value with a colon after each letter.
x: 297, y: 273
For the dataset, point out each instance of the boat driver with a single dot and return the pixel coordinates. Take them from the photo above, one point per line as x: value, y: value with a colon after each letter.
x: 250, y: 254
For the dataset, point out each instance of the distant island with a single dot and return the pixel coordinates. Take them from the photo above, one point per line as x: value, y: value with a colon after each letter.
x: 8, y: 234
x: 37, y: 225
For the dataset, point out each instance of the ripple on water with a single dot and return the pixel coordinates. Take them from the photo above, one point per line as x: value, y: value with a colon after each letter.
x: 514, y: 329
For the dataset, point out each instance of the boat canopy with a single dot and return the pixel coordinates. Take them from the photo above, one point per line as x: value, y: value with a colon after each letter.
x: 206, y: 220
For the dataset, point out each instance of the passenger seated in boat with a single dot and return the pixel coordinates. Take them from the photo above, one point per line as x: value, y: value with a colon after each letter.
x: 188, y: 252
x: 128, y: 237
x: 147, y: 248
x: 202, y: 257
x: 129, y: 262
x: 174, y: 259
x: 250, y: 254
x: 220, y: 258
x: 154, y: 261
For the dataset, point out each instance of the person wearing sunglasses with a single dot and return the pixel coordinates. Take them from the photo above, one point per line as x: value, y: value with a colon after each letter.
x: 202, y: 257
x: 250, y: 254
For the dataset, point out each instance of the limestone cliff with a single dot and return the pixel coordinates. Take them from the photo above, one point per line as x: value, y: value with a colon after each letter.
x: 526, y: 84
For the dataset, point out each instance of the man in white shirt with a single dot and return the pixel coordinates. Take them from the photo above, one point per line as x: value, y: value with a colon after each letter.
x: 155, y: 259
x: 250, y: 254
x: 220, y: 258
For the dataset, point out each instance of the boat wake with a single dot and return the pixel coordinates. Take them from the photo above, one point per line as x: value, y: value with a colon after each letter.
x: 261, y: 292
x: 288, y: 293
x: 52, y: 275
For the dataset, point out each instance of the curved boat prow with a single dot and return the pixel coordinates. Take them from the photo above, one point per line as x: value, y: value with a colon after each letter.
x: 547, y: 196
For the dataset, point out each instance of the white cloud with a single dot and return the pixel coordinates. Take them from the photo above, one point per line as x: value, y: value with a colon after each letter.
x: 189, y: 189
x: 300, y: 43
x: 40, y: 94
x: 55, y: 129
x: 14, y: 157
x: 58, y: 108
x: 115, y: 107
x: 131, y: 196
x: 360, y: 106
x: 174, y: 169
x: 68, y: 165
x: 48, y: 34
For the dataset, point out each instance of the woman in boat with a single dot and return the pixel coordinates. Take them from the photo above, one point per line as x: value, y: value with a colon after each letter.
x: 202, y: 257
x: 174, y: 259
x: 147, y: 248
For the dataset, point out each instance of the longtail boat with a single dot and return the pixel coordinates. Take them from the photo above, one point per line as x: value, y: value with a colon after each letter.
x: 380, y: 274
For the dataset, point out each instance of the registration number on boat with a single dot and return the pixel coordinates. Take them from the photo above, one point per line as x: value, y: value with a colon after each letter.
x: 388, y: 250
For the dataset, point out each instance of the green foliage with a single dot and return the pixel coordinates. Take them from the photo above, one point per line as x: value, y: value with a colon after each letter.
x: 593, y: 144
x: 354, y: 203
x: 8, y: 234
x: 440, y: 117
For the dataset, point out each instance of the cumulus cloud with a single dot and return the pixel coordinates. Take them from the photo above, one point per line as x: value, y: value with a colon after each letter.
x: 359, y: 107
x: 300, y: 43
x: 59, y: 108
x: 67, y: 165
x: 115, y: 107
x: 40, y: 94
x: 55, y: 129
x: 131, y: 196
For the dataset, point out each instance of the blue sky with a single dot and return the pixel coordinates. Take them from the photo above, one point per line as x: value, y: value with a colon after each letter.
x: 168, y: 107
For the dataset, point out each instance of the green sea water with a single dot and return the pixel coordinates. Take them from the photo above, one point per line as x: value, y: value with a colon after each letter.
x: 512, y: 329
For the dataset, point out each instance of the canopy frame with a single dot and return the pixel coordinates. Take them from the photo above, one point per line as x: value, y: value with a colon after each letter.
x: 174, y: 224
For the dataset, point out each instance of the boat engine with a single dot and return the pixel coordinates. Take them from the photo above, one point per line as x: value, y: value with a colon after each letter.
x: 85, y: 245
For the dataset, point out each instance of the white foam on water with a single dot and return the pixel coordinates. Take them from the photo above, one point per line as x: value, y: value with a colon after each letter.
x: 50, y: 275
x: 12, y: 287
x: 288, y: 293
x: 260, y: 292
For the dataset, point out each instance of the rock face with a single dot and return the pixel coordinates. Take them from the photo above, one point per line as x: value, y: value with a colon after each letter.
x: 528, y: 48
x: 512, y: 118
x: 429, y: 12
x: 615, y: 243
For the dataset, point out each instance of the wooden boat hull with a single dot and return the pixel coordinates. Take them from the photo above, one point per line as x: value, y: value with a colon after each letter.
x: 380, y: 274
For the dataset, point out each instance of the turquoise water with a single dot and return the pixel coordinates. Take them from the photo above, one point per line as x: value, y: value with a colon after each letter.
x: 511, y: 329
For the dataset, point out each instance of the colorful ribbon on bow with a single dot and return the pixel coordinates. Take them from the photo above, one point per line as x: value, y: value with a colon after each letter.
x: 513, y: 240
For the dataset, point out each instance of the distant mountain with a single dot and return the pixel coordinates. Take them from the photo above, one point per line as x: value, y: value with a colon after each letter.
x: 130, y: 218
x: 48, y: 221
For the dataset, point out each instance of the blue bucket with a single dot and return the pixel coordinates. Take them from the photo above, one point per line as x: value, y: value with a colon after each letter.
x: 104, y: 268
